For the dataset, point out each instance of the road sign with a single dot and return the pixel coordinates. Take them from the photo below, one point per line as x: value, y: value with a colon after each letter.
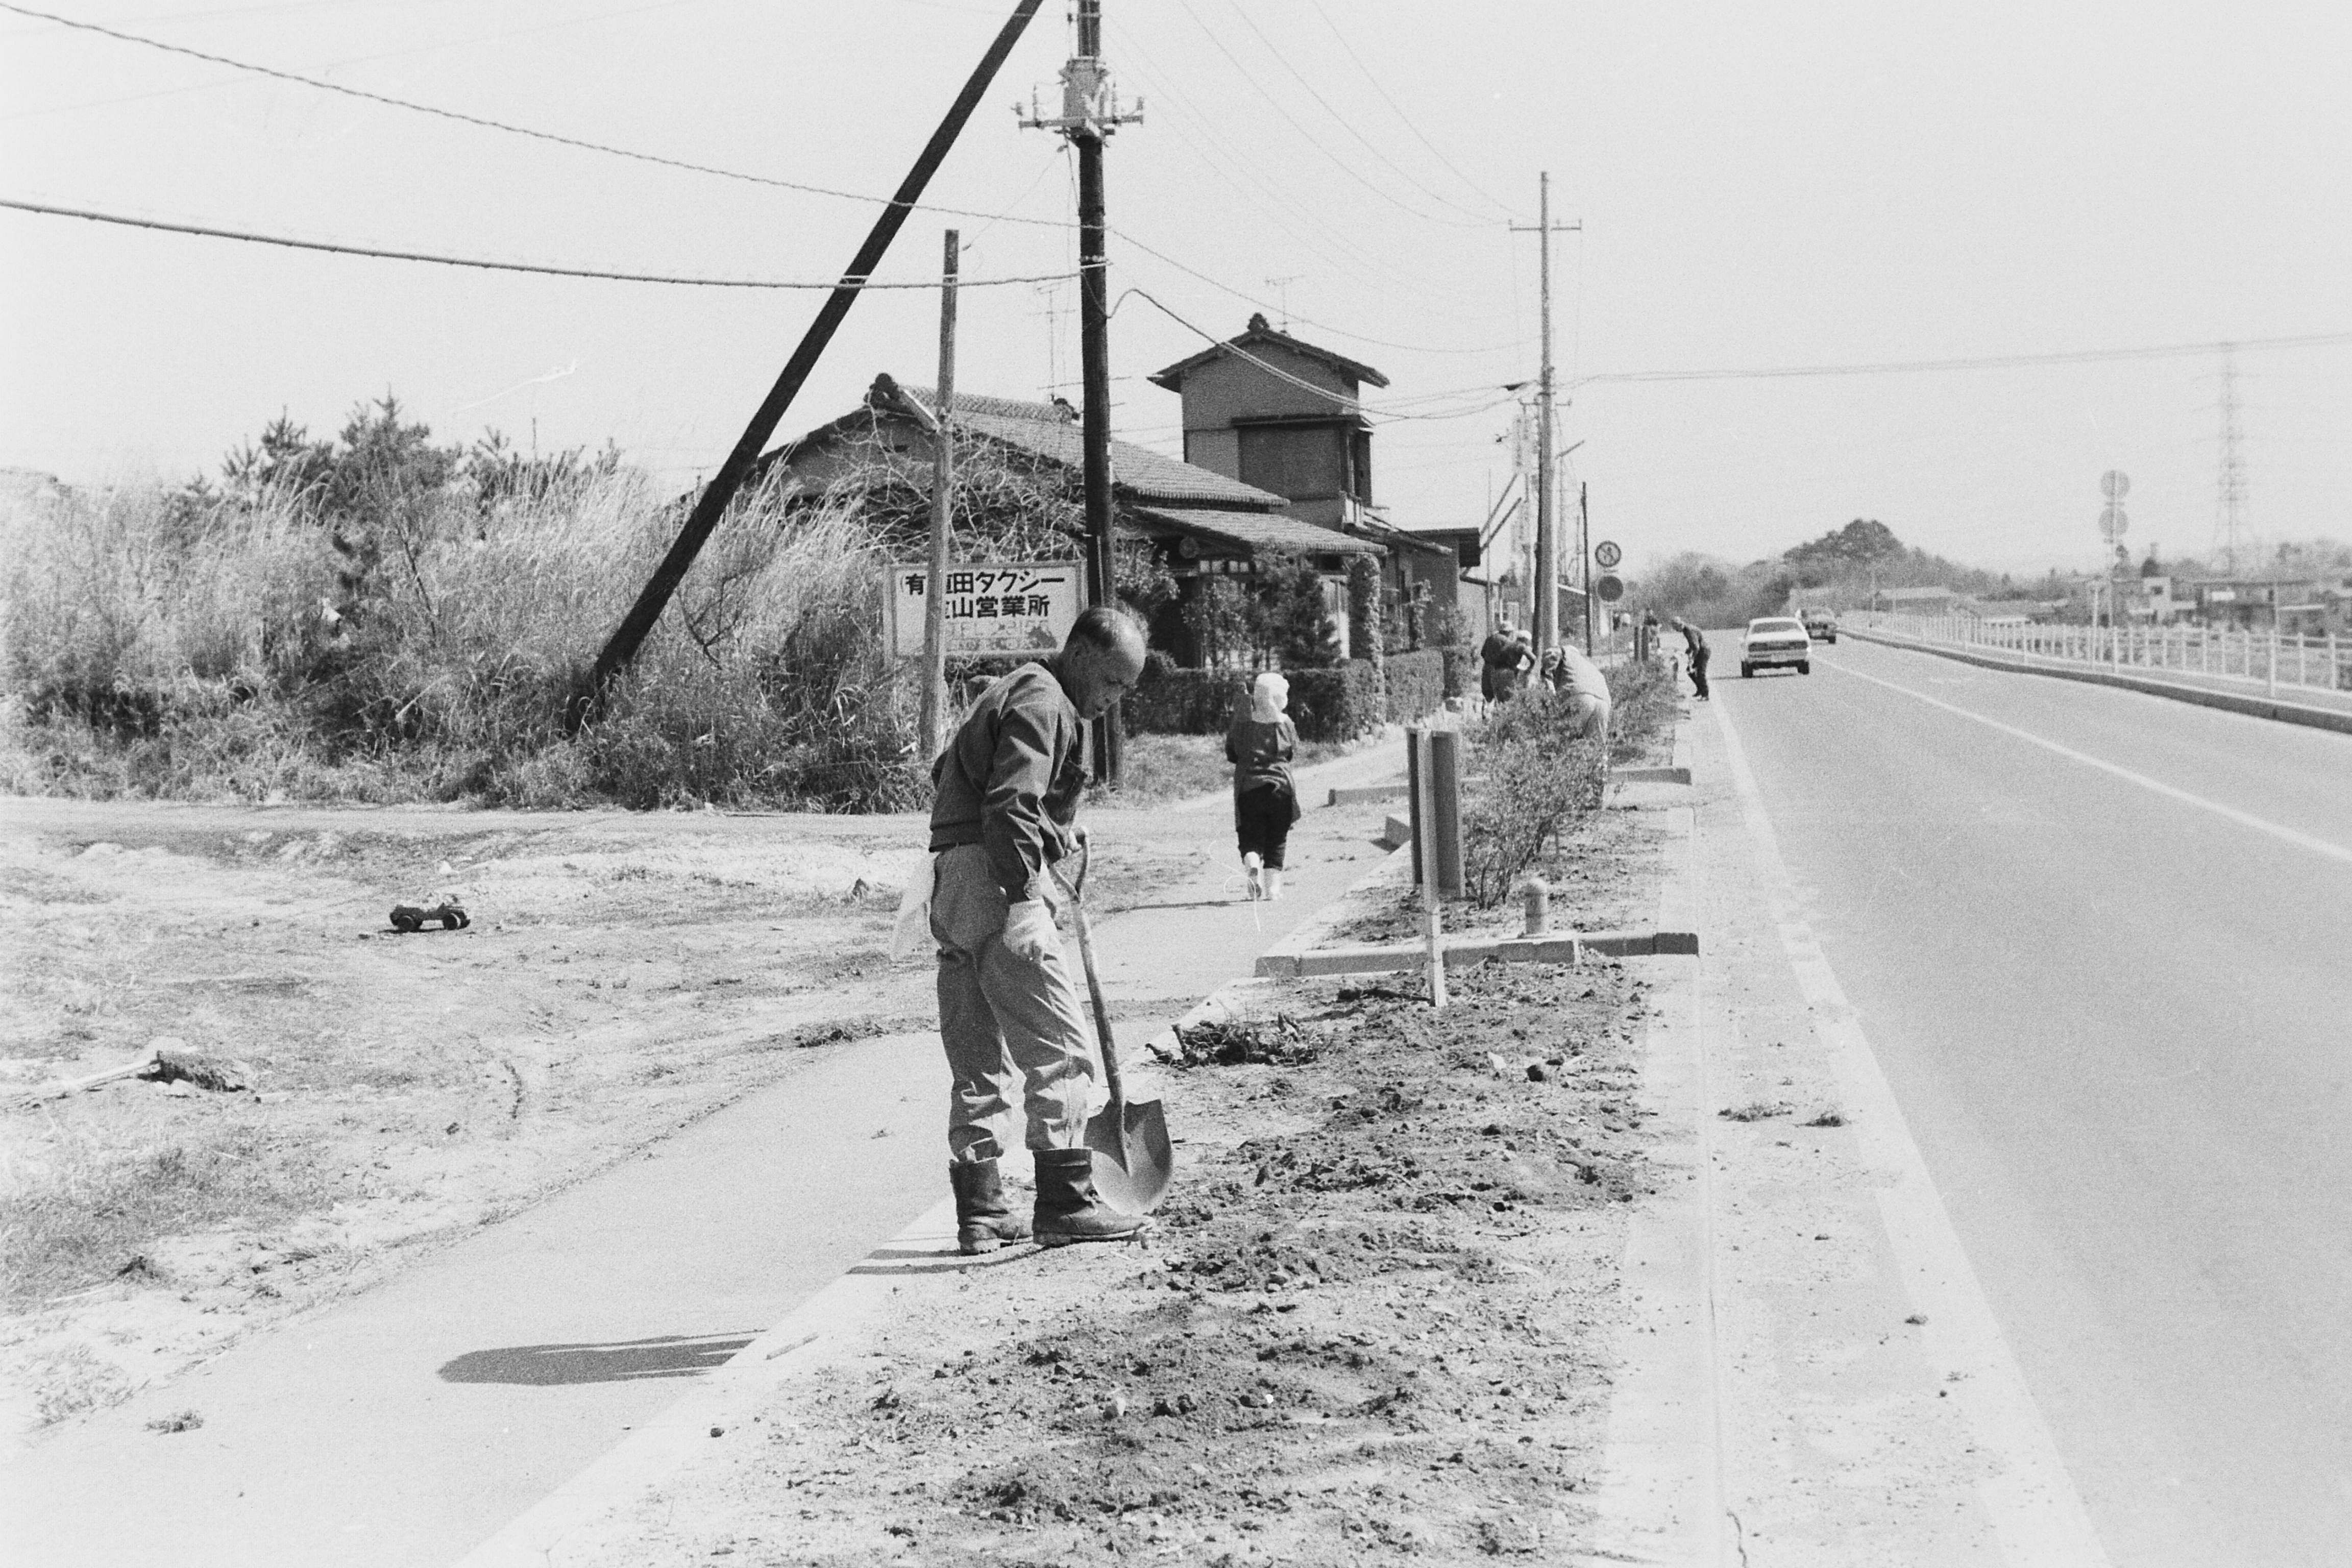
x: 1609, y: 589
x: 1009, y: 609
x: 2112, y: 523
x: 2114, y: 484
x: 1607, y: 553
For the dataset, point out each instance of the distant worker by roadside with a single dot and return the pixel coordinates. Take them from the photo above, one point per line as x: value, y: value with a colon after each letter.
x: 1504, y: 660
x: 1697, y: 641
x: 1260, y: 744
x: 1587, y: 688
x: 1645, y: 636
x: 1006, y: 805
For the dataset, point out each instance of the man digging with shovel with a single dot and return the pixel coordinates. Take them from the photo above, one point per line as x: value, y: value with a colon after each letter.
x: 1007, y: 790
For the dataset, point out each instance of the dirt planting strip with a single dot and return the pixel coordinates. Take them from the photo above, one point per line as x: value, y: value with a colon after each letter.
x: 1366, y: 1329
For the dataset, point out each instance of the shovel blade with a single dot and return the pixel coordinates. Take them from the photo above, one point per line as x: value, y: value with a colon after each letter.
x: 1134, y: 1161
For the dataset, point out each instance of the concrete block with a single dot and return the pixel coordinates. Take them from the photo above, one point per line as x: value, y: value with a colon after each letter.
x: 1366, y: 794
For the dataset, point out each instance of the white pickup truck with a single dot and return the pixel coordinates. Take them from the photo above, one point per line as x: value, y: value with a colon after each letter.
x: 1775, y: 642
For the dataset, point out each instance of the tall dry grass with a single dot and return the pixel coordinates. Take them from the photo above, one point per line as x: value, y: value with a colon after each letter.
x: 156, y: 644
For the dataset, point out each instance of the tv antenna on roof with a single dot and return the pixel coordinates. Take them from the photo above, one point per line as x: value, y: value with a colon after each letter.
x: 1281, y: 286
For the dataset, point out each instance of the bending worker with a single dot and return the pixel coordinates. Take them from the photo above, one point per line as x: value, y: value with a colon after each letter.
x: 1587, y: 688
x: 1007, y: 790
x: 1695, y: 640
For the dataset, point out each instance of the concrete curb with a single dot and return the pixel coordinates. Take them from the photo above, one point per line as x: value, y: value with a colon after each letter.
x: 1301, y: 954
x: 2269, y: 708
x: 1558, y: 947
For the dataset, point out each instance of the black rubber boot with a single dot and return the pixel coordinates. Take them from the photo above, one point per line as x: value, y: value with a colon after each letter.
x: 983, y: 1223
x: 1068, y: 1207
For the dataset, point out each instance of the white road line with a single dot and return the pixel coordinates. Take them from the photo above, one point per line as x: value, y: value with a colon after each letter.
x: 2243, y: 818
x: 2035, y: 1512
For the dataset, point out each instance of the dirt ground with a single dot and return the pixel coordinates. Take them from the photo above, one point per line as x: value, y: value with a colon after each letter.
x: 1370, y: 1326
x: 620, y: 978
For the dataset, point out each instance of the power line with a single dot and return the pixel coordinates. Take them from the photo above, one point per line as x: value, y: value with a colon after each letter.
x: 1249, y: 299
x: 484, y: 123
x: 208, y: 232
x: 1279, y: 107
x: 1281, y: 375
x: 1315, y: 93
x: 1350, y: 48
x: 1245, y: 173
x: 657, y: 159
x: 1989, y: 361
x: 433, y: 47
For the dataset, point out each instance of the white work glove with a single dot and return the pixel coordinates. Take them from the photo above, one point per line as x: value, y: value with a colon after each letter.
x: 1029, y: 931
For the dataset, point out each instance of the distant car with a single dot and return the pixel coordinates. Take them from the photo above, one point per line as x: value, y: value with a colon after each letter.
x: 1775, y: 641
x: 1821, y: 625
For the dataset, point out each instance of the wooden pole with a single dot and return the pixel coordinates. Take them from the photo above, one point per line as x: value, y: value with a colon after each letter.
x: 935, y: 601
x: 623, y: 646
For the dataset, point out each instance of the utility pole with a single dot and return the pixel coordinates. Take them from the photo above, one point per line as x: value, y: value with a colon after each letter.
x: 1584, y: 554
x: 935, y: 601
x: 621, y: 647
x: 1090, y: 112
x: 1547, y: 582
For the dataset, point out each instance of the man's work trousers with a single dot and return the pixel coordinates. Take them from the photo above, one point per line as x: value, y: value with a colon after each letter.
x: 1698, y: 671
x: 1001, y: 1014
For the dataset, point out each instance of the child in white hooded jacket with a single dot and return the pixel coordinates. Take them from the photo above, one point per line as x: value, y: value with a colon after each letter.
x: 1261, y: 745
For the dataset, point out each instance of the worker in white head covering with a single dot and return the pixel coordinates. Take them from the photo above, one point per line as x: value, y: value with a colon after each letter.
x: 1260, y: 745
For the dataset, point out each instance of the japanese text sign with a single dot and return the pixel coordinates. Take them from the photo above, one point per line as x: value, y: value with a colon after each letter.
x: 1021, y: 609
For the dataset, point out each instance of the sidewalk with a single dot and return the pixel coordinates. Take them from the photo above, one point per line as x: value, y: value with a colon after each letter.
x: 406, y: 1425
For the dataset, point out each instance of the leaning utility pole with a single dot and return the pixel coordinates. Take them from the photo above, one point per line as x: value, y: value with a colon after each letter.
x: 1090, y: 112
x: 935, y: 598
x: 1547, y: 582
x: 623, y: 646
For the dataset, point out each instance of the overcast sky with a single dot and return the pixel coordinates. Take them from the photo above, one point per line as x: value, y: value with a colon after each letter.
x: 1760, y: 186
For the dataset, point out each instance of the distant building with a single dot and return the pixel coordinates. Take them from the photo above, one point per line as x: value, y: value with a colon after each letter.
x: 1285, y: 415
x: 1202, y: 523
x: 2310, y: 602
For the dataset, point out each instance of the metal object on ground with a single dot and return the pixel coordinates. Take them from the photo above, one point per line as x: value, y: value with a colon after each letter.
x: 1134, y: 1160
x: 409, y: 919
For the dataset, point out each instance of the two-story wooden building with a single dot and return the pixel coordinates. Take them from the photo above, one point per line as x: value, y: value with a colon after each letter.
x: 1285, y: 416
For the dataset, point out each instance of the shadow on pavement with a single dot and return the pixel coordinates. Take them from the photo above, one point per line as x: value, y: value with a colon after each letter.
x: 626, y: 1360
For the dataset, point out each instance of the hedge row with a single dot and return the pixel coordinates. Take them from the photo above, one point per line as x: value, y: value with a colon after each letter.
x: 1417, y: 684
x: 1334, y: 704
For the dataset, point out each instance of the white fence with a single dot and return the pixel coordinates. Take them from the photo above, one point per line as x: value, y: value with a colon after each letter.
x: 2266, y: 658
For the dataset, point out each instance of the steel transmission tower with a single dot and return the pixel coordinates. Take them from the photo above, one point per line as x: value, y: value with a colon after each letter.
x: 2229, y: 486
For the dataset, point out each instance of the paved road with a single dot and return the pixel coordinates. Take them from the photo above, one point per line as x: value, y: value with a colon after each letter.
x: 2099, y: 942
x: 403, y: 1426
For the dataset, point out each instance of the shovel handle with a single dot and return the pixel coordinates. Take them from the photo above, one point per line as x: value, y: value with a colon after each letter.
x: 1094, y: 983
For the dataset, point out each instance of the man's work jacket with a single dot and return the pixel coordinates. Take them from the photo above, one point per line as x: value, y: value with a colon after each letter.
x: 1010, y: 781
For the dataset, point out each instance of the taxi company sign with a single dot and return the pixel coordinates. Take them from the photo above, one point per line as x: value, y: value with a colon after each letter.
x: 1021, y: 609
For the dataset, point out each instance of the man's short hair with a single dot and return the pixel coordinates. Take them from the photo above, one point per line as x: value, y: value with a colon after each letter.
x: 1104, y: 627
